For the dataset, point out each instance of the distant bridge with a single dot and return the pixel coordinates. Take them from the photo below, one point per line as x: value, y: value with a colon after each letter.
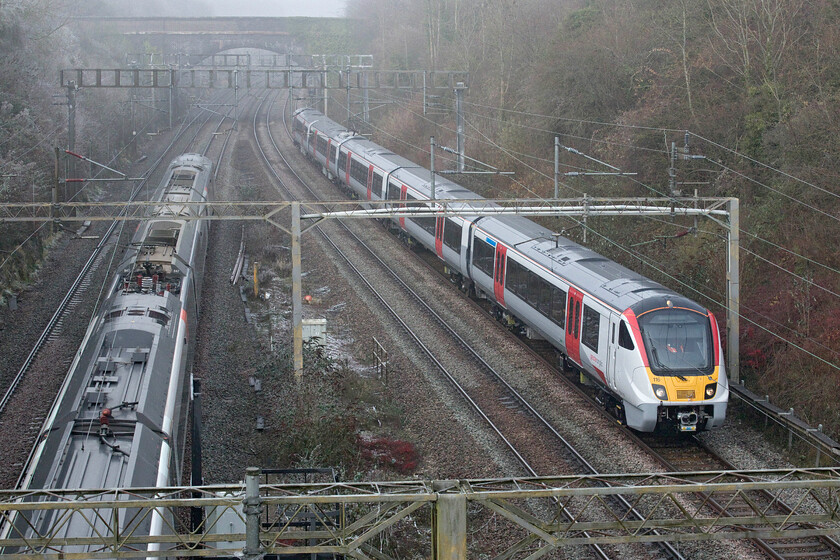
x: 214, y: 34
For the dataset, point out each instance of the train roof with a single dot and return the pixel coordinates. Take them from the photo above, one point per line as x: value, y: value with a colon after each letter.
x: 604, y: 279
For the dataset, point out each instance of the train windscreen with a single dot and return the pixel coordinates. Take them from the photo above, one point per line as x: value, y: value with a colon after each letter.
x: 677, y: 341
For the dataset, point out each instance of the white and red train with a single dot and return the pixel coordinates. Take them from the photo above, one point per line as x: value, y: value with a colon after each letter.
x: 655, y: 354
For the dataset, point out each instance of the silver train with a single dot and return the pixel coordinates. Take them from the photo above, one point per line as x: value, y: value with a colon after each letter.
x: 655, y: 355
x: 120, y: 417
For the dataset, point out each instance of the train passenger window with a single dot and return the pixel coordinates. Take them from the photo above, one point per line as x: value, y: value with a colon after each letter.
x: 452, y: 235
x: 483, y: 255
x: 558, y: 306
x: 517, y: 278
x: 322, y: 146
x: 542, y: 295
x: 624, y: 338
x: 427, y: 224
x: 591, y: 328
x: 358, y: 172
x: 377, y: 184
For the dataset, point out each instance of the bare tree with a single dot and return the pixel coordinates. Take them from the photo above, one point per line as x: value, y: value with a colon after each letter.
x: 753, y: 37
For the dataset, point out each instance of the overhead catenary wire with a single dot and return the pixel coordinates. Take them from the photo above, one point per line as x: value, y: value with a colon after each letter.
x: 766, y: 166
x: 44, y: 224
x: 646, y: 261
x: 711, y: 297
x: 407, y: 107
x: 632, y: 179
x: 699, y: 292
x: 661, y: 193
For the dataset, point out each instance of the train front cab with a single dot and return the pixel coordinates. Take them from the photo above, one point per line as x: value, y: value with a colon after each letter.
x: 670, y: 359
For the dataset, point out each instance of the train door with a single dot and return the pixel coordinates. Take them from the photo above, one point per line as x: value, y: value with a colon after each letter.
x: 347, y: 170
x: 439, y: 223
x: 403, y: 191
x: 612, y: 348
x: 327, y: 159
x: 573, y: 324
x: 369, y: 180
x: 499, y: 273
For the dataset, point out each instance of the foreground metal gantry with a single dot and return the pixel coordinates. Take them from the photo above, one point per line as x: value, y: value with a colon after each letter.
x: 440, y: 519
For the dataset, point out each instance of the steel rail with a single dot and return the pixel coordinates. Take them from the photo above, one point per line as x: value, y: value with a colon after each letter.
x: 831, y: 546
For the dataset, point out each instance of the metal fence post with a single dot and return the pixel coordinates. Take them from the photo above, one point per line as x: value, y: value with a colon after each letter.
x: 253, y: 509
x: 450, y: 531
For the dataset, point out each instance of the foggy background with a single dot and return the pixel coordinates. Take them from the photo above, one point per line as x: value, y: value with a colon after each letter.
x: 323, y: 8
x: 197, y: 8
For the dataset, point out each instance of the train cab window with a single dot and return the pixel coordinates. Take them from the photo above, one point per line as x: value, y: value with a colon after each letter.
x: 677, y: 340
x: 376, y: 188
x: 452, y: 235
x: 591, y: 328
x: 624, y: 338
x: 342, y: 161
x: 483, y: 254
x: 333, y: 151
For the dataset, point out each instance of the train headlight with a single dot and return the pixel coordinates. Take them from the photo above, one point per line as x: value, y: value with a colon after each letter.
x: 660, y: 392
x: 711, y: 389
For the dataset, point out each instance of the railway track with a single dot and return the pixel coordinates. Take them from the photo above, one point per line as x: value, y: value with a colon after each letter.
x: 689, y: 454
x: 674, y: 458
x: 509, y: 415
x: 15, y: 398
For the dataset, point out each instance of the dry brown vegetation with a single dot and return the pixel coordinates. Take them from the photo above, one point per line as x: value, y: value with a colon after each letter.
x: 754, y: 82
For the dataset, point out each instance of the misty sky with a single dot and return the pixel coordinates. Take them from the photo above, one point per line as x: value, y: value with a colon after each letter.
x: 276, y: 7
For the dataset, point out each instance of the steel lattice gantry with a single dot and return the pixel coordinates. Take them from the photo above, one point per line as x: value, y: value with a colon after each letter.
x: 262, y: 210
x: 325, y: 78
x: 724, y: 211
x: 435, y: 519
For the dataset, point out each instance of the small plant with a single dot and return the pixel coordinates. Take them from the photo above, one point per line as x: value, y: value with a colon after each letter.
x: 399, y: 455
